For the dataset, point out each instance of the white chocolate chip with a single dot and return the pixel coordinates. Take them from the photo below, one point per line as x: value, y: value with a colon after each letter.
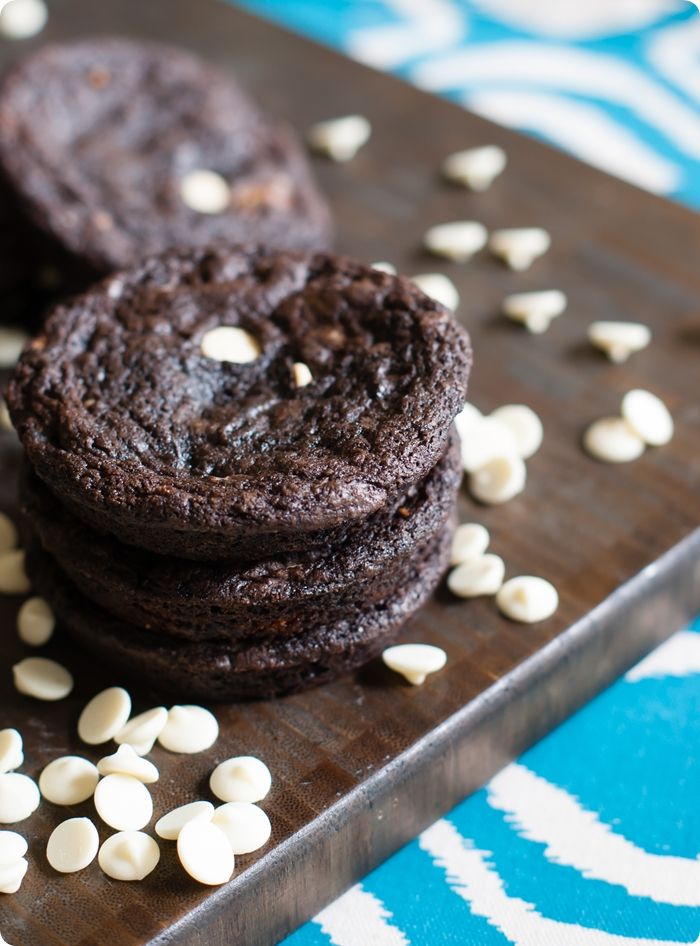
x: 475, y: 168
x: 535, y: 309
x: 483, y: 576
x: 13, y: 577
x: 519, y: 247
x: 123, y: 802
x: 466, y: 419
x: 498, y: 481
x: 19, y: 797
x: 12, y: 340
x: 527, y: 599
x: 129, y: 855
x: 142, y: 731
x: 69, y: 780
x: 205, y: 191
x: 12, y: 875
x: 21, y: 19
x: 35, y: 622
x: 301, y: 374
x: 230, y: 343
x: 11, y: 750
x: 457, y: 241
x: 205, y: 853
x: 485, y: 440
x: 613, y: 440
x: 524, y: 425
x: 246, y: 826
x: 414, y: 661
x: 5, y: 419
x: 8, y: 534
x: 127, y: 762
x: 470, y: 541
x: 619, y: 340
x: 189, y: 729
x: 648, y: 416
x: 13, y: 847
x: 439, y: 288
x: 73, y: 845
x: 104, y: 716
x: 243, y: 778
x: 383, y: 267
x: 340, y: 138
x: 42, y: 678
x: 170, y: 825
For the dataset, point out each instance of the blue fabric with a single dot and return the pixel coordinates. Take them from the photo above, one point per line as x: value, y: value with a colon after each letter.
x: 592, y: 838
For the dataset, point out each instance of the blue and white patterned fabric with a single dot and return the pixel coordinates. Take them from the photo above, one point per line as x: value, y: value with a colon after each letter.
x: 592, y: 838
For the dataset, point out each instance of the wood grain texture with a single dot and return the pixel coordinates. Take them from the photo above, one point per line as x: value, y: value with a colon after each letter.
x: 361, y: 766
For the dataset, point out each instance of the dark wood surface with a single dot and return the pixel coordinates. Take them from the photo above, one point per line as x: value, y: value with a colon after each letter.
x: 361, y: 766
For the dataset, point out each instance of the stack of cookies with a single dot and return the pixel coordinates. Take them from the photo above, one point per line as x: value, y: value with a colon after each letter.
x: 241, y: 469
x: 114, y: 149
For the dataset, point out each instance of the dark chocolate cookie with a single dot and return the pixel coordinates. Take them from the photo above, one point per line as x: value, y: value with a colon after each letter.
x: 143, y: 435
x: 99, y: 141
x: 255, y: 669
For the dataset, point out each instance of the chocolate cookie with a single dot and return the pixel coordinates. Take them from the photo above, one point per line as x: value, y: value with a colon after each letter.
x: 129, y: 417
x: 283, y: 595
x: 258, y: 668
x: 111, y: 148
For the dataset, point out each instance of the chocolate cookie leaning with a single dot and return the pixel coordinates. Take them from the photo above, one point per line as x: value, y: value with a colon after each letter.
x: 236, y: 403
x: 112, y: 149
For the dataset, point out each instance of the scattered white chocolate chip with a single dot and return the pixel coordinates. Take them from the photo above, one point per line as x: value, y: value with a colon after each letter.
x: 142, y: 731
x: 524, y: 425
x: 19, y: 797
x: 189, y: 729
x: 499, y: 480
x: 68, y: 780
x: 243, y: 778
x: 35, y: 622
x: 72, y: 845
x: 12, y: 341
x: 535, y: 309
x: 648, y: 416
x: 8, y: 534
x: 205, y: 853
x: 475, y: 168
x: 457, y: 241
x: 613, y: 440
x: 11, y: 750
x: 484, y: 440
x: 414, y: 661
x: 466, y: 419
x: 439, y: 288
x: 127, y: 762
x: 13, y: 577
x: 383, y: 267
x: 470, y: 541
x: 129, y: 855
x: 13, y: 847
x: 21, y: 19
x: 519, y: 247
x: 301, y: 374
x: 340, y: 138
x: 169, y: 826
x: 483, y: 576
x: 42, y: 678
x: 5, y: 419
x: 619, y: 340
x: 205, y: 191
x: 12, y: 875
x: 230, y: 343
x: 123, y: 802
x: 246, y: 826
x: 527, y: 599
x: 104, y: 716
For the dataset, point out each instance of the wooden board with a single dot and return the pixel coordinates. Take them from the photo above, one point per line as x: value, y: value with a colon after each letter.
x: 361, y: 766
